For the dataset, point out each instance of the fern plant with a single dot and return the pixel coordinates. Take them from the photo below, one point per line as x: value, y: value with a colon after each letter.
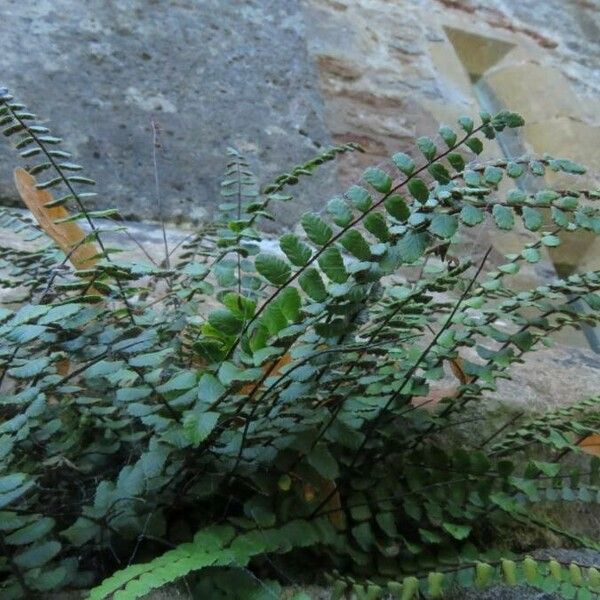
x: 257, y: 396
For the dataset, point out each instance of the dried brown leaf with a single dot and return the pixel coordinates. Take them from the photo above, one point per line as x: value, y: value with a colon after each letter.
x: 591, y: 444
x: 68, y: 236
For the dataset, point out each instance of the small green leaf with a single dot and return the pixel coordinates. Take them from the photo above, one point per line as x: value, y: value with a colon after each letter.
x: 210, y: 389
x: 12, y: 495
x: 239, y: 305
x: 404, y: 163
x: 312, y: 284
x: 410, y: 588
x: 516, y: 197
x: 289, y: 302
x: 229, y: 373
x: 284, y: 483
x: 321, y: 459
x: 70, y: 166
x: 448, y: 135
x: 378, y: 179
x: 456, y: 161
x: 29, y: 313
x: 132, y: 394
x: 297, y: 252
x: 532, y: 219
x: 443, y: 225
x: 363, y: 535
x: 30, y: 369
x: 458, y: 532
x: 530, y: 569
x: 13, y: 129
x: 396, y: 206
x: 472, y: 178
x: 359, y: 197
x: 79, y: 179
x: 508, y: 119
x: 37, y: 556
x: 466, y: 123
x: 509, y: 570
x: 439, y: 173
x: 435, y: 583
x: 531, y: 255
x: 514, y: 170
x: 551, y: 241
x: 332, y: 263
x: 316, y: 229
x: 484, y: 574
x: 418, y: 189
x: 427, y: 147
x: 471, y: 215
x: 23, y: 334
x: 197, y: 426
x: 568, y: 203
x: 492, y: 175
x: 355, y: 243
x: 60, y: 313
x: 82, y: 531
x: 272, y: 268
x: 273, y: 319
x: 510, y: 268
x: 559, y: 217
x: 12, y: 481
x: 503, y: 216
x: 49, y: 580
x: 537, y: 168
x: 475, y: 145
x: 32, y: 532
x: 430, y: 537
x: 546, y: 197
x: 153, y: 461
x: 339, y: 211
x: 592, y: 300
x: 224, y: 321
x: 412, y: 246
x: 566, y: 166
x: 375, y: 223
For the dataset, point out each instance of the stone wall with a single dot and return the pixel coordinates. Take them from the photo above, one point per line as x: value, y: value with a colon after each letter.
x: 388, y: 70
x: 280, y: 78
x: 213, y: 73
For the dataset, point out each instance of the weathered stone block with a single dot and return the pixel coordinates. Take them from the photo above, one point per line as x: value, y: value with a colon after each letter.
x: 212, y: 73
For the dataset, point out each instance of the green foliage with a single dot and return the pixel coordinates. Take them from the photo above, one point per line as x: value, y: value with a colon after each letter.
x: 568, y: 580
x: 247, y: 400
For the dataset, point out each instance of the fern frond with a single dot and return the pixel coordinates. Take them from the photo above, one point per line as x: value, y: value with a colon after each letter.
x: 547, y: 575
x: 213, y: 547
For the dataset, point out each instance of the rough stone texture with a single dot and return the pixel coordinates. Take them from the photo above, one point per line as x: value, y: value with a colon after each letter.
x: 389, y: 71
x: 536, y: 385
x: 219, y: 72
x: 540, y: 383
x: 213, y: 73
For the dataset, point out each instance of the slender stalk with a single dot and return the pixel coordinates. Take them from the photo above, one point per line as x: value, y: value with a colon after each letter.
x: 156, y: 145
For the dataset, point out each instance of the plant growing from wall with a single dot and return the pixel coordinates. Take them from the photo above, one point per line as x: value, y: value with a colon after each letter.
x: 233, y: 403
